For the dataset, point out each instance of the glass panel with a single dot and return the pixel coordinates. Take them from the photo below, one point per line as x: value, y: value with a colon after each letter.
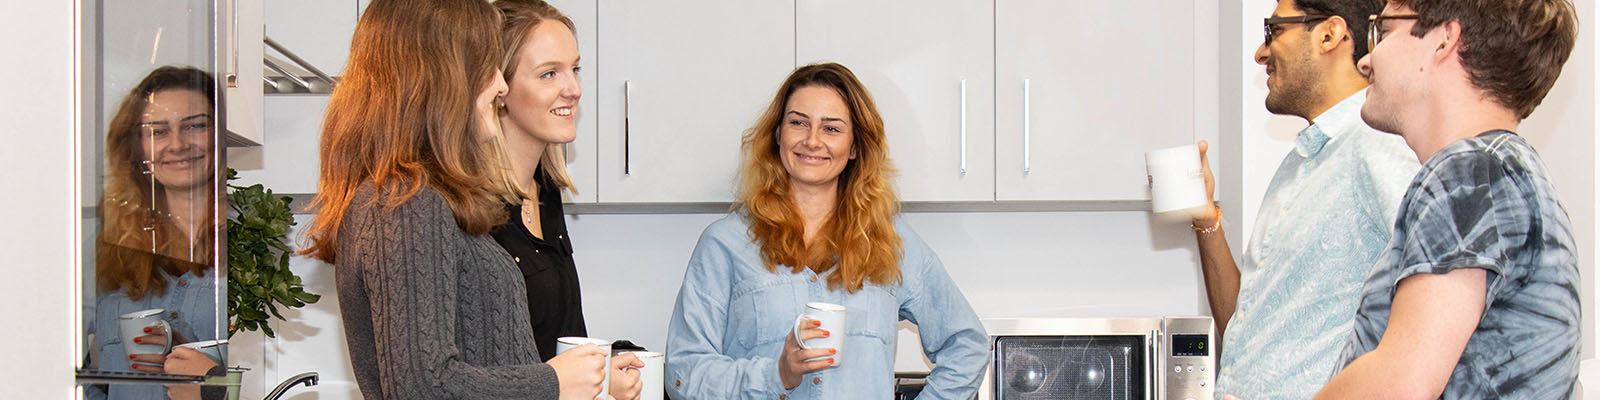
x: 152, y: 183
x: 1070, y: 367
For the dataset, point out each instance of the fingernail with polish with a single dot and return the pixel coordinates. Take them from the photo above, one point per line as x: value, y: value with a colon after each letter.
x: 832, y: 352
x: 146, y: 329
x: 137, y: 340
x: 816, y: 323
x: 130, y: 356
x: 826, y: 334
x: 830, y: 361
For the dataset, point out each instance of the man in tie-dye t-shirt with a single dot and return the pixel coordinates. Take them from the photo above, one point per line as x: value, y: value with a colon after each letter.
x: 1476, y: 296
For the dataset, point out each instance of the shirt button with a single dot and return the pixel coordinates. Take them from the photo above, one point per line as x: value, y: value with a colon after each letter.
x: 813, y: 279
x: 183, y: 282
x: 535, y: 251
x: 677, y: 382
x: 173, y: 315
x: 518, y: 259
x: 783, y: 396
x: 561, y: 236
x: 816, y: 381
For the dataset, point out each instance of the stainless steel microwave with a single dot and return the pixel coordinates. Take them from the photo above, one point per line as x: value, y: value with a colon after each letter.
x: 1156, y: 358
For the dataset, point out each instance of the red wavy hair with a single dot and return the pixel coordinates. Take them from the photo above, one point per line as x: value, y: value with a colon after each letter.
x: 859, y: 242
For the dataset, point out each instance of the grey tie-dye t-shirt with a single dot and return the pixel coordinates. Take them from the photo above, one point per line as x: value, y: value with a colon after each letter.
x: 1487, y: 202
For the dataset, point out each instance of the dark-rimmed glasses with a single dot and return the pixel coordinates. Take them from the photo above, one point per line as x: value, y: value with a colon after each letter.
x: 1267, y: 23
x: 1377, y: 21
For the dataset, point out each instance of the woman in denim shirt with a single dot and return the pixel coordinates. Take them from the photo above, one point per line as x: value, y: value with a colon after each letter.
x: 158, y: 229
x: 816, y: 222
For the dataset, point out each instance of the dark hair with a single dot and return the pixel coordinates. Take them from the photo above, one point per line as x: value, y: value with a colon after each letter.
x: 1353, y: 12
x: 1512, y: 49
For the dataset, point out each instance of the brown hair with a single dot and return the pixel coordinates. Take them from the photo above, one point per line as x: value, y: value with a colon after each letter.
x: 138, y: 241
x: 520, y: 17
x: 859, y: 241
x: 1512, y: 49
x: 403, y: 115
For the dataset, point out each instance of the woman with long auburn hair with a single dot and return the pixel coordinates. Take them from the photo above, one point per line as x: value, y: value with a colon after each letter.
x: 816, y: 222
x: 432, y: 307
x: 157, y: 243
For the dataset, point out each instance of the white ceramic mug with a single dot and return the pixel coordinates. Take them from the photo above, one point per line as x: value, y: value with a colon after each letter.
x: 132, y: 326
x: 216, y: 350
x: 571, y: 342
x: 652, y: 376
x: 1176, y: 182
x: 833, y: 320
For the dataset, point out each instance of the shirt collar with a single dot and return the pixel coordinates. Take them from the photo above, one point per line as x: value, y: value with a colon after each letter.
x: 1335, y: 121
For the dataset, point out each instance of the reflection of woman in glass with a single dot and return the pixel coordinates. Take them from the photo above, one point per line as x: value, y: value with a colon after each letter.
x: 158, y: 231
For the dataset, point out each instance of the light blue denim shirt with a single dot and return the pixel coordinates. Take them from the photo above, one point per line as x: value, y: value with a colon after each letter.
x: 191, y: 308
x: 733, y: 316
x: 1326, y: 215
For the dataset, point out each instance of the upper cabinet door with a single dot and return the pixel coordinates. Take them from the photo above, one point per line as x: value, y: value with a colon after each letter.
x: 241, y: 71
x: 581, y: 152
x: 1084, y: 88
x: 679, y: 82
x: 918, y: 60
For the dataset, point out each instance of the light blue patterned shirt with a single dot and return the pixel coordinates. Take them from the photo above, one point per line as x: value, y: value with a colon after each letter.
x: 733, y: 316
x: 1326, y: 215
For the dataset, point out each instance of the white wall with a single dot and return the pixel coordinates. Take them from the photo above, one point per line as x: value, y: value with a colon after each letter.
x: 39, y: 169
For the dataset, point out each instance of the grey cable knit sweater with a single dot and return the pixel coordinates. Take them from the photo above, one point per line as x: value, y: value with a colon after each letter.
x: 431, y: 312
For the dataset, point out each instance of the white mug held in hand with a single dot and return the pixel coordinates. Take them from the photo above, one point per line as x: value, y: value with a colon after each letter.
x: 216, y: 350
x: 652, y: 376
x: 571, y: 342
x: 832, y: 317
x: 1176, y: 182
x: 132, y: 325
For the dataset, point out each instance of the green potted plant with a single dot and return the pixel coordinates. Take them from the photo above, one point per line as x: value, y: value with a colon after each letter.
x: 259, y: 279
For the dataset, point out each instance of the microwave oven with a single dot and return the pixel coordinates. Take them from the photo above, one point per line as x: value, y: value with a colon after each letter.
x: 1159, y: 358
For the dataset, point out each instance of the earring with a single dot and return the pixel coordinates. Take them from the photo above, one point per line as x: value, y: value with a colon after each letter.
x: 500, y: 101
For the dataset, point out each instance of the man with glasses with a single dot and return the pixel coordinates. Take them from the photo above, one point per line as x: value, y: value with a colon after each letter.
x: 1477, y: 294
x: 1282, y: 310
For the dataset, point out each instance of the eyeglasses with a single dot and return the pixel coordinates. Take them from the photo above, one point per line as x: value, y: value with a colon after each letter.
x: 1377, y: 21
x: 1267, y: 23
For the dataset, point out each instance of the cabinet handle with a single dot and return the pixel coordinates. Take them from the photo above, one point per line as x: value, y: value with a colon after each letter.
x: 963, y: 126
x: 233, y: 72
x: 1027, y: 126
x: 627, y: 129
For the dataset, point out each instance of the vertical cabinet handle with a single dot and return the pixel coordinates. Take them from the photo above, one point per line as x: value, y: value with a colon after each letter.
x: 963, y: 126
x: 627, y: 131
x: 232, y: 78
x: 1027, y: 126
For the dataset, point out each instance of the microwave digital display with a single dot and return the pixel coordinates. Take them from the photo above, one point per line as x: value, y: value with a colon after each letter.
x: 1190, y: 345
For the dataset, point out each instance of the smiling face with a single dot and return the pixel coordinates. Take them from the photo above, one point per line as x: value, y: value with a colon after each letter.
x: 815, y: 137
x: 1395, y: 70
x: 176, y: 138
x: 1292, y: 79
x: 544, y: 87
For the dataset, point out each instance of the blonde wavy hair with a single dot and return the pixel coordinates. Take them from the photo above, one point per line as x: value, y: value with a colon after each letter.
x: 859, y: 242
x: 138, y: 240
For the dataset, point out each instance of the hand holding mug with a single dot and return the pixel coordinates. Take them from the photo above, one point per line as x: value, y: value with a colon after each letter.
x: 580, y: 371
x: 151, y: 362
x: 187, y: 361
x: 792, y: 364
x: 1208, y: 215
x: 625, y: 382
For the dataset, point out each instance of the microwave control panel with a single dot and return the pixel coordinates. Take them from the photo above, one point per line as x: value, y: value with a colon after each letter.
x: 1190, y: 366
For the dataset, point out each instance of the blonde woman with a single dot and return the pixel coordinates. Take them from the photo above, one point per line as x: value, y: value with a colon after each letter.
x: 816, y: 222
x: 432, y: 307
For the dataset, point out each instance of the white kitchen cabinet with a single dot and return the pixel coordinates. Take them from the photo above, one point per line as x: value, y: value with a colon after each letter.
x: 930, y: 68
x: 1084, y: 88
x: 581, y: 152
x: 241, y: 72
x: 678, y: 83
